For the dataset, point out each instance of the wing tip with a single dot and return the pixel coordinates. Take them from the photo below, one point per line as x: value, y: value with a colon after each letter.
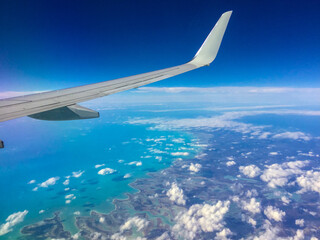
x: 227, y: 13
x: 209, y: 49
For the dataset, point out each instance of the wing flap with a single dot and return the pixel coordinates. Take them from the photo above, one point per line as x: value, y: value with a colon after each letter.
x: 73, y: 112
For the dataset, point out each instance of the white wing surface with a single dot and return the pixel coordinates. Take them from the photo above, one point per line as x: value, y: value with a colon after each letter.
x: 62, y: 104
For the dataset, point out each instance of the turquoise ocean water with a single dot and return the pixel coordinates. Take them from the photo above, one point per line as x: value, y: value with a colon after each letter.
x: 39, y: 150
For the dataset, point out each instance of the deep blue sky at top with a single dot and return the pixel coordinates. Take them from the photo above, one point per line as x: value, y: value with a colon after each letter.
x: 56, y: 44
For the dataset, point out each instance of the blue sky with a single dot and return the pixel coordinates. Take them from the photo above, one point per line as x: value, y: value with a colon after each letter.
x: 56, y: 44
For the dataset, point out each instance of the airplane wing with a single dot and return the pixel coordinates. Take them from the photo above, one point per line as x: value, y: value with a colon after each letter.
x: 62, y: 104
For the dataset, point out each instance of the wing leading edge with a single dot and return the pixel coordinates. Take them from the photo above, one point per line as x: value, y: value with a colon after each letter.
x: 62, y: 104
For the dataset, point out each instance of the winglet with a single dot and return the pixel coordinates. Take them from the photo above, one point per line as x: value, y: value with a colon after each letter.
x: 209, y: 49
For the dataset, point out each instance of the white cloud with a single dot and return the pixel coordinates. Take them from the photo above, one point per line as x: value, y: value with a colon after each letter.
x: 134, y: 222
x: 278, y: 174
x: 252, y: 221
x: 164, y: 236
x: 264, y: 135
x: 230, y: 90
x: 200, y: 218
x: 293, y: 135
x: 309, y: 181
x: 227, y: 121
x: 285, y: 200
x: 66, y: 182
x: 176, y: 195
x: 250, y: 170
x: 274, y: 213
x: 50, y: 182
x: 100, y: 165
x: 179, y: 154
x: 137, y: 163
x: 195, y: 167
x: 41, y: 211
x: 271, y: 233
x: 11, y: 221
x: 223, y: 234
x: 299, y: 222
x: 273, y: 153
x: 77, y: 174
x: 251, y: 193
x: 252, y: 206
x: 101, y: 220
x: 31, y: 181
x: 137, y: 222
x: 128, y: 175
x: 230, y: 163
x: 77, y: 213
x: 106, y: 171
x: 70, y: 196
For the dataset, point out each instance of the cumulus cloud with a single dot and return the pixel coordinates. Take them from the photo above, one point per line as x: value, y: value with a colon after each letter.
x: 250, y: 170
x: 251, y: 193
x: 278, y: 174
x: 50, y: 182
x: 299, y: 222
x: 164, y: 236
x: 11, y: 221
x: 223, y: 234
x: 200, y: 218
x: 66, y: 182
x: 252, y: 206
x: 230, y: 163
x: 285, y: 200
x: 128, y: 175
x: 293, y: 135
x: 179, y: 154
x: 264, y: 135
x: 309, y: 181
x: 137, y: 163
x: 31, y: 181
x: 273, y: 153
x: 106, y: 171
x: 195, y: 167
x: 70, y: 196
x: 77, y: 174
x: 99, y: 165
x: 134, y: 222
x: 137, y: 222
x: 176, y: 195
x: 274, y: 213
x: 251, y: 221
x: 269, y: 232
